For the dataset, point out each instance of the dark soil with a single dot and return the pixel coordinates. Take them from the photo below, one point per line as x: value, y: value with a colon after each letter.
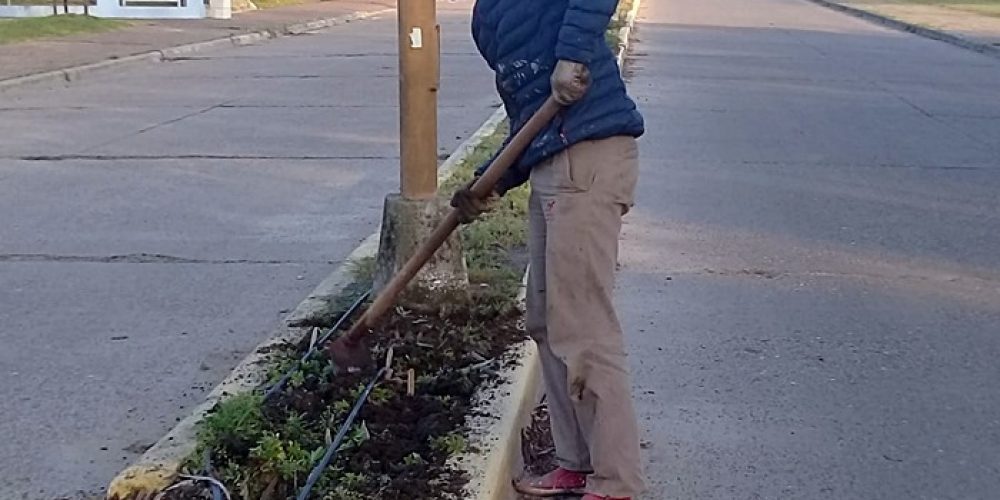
x: 405, y: 441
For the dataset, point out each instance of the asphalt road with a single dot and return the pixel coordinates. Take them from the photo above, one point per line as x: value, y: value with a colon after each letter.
x: 811, y: 279
x: 158, y: 221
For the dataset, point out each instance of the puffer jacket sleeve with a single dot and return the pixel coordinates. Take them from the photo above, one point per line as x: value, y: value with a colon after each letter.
x: 583, y: 28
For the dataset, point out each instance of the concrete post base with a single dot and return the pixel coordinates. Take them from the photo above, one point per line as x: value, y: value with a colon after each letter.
x: 444, y: 281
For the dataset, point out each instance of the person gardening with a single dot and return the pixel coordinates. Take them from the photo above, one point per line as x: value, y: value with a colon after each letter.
x: 582, y: 170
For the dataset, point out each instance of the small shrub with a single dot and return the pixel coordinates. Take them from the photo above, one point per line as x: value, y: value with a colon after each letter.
x: 233, y: 427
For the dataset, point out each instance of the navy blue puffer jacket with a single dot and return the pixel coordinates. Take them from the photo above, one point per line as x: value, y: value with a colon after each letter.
x: 522, y: 40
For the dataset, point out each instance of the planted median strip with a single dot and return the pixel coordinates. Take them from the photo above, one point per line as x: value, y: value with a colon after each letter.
x: 411, y: 437
x: 401, y: 442
x: 406, y: 436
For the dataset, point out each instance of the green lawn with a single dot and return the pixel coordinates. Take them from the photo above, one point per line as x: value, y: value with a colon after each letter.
x: 19, y: 30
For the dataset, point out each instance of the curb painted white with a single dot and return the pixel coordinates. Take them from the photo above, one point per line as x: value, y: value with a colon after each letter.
x: 75, y: 73
x: 161, y: 463
x: 495, y: 430
x: 625, y: 33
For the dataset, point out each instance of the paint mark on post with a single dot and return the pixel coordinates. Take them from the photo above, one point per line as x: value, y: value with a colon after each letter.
x: 416, y: 38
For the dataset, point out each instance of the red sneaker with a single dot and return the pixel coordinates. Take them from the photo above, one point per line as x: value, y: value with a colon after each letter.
x: 591, y: 496
x: 556, y: 483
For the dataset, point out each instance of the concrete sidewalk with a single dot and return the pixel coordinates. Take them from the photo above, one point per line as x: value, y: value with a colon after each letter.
x: 39, y: 56
x: 967, y: 23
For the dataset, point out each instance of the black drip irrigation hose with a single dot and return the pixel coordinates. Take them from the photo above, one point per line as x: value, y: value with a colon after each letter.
x: 210, y: 472
x: 331, y: 450
x: 217, y: 491
x: 280, y: 384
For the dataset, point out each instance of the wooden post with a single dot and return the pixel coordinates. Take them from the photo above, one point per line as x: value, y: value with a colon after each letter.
x: 419, y: 77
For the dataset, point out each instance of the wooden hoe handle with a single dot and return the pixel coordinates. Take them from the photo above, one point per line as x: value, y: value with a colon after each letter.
x: 482, y: 188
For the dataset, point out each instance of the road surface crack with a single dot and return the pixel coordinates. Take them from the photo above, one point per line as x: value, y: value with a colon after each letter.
x: 161, y: 124
x: 86, y: 157
x: 142, y: 258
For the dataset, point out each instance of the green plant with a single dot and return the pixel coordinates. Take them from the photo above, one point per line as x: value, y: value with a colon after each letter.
x: 346, y: 487
x: 296, y: 428
x: 298, y: 379
x: 341, y: 492
x: 281, y: 360
x: 380, y: 395
x: 237, y: 475
x: 357, y: 436
x: 357, y: 391
x: 233, y: 426
x: 413, y: 459
x: 450, y: 444
x: 339, y: 409
x: 284, y: 458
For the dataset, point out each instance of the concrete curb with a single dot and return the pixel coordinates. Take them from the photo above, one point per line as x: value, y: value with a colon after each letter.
x: 317, y: 306
x: 511, y: 404
x: 625, y: 33
x: 896, y: 24
x: 159, y: 466
x: 76, y: 73
x: 507, y: 408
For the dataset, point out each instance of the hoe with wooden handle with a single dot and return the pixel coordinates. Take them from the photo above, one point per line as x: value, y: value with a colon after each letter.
x: 350, y: 350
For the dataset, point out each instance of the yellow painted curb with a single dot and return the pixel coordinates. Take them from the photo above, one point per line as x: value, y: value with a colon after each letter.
x: 142, y: 481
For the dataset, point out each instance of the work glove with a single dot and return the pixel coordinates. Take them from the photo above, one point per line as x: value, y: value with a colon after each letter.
x: 469, y: 206
x: 570, y: 81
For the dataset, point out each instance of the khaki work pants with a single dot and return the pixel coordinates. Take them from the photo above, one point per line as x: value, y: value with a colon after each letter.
x: 577, y: 202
